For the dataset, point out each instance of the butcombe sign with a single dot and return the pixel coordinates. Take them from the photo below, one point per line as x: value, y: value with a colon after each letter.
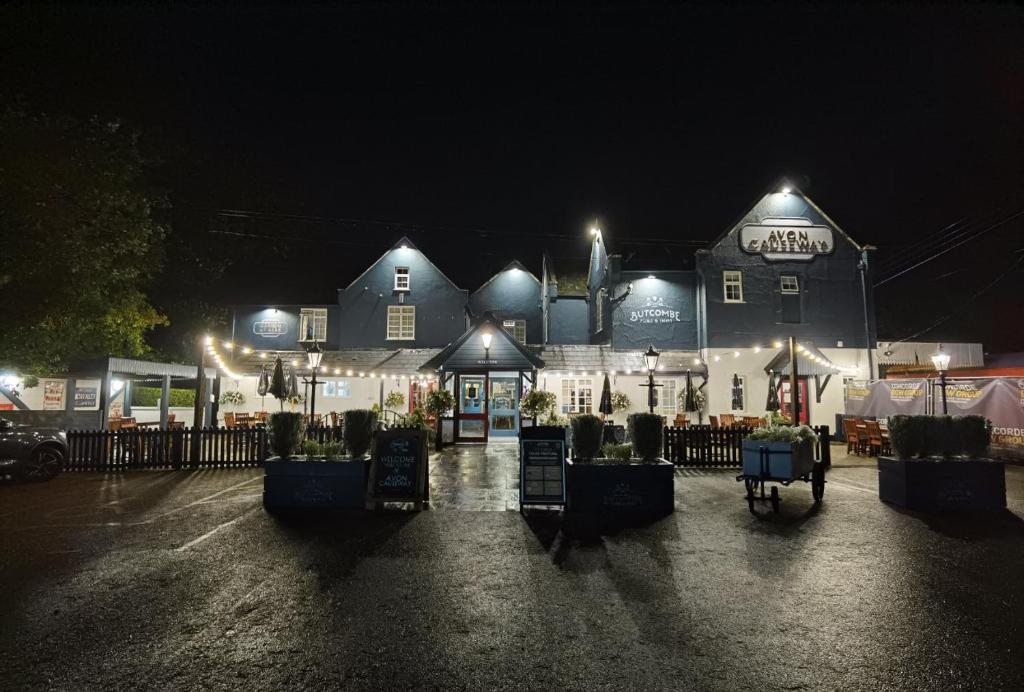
x: 654, y: 311
x: 786, y: 239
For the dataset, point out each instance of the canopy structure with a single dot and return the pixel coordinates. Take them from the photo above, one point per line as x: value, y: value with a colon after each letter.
x: 811, y: 361
x: 485, y: 346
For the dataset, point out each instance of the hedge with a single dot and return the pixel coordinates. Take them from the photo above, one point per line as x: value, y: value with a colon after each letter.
x: 150, y: 396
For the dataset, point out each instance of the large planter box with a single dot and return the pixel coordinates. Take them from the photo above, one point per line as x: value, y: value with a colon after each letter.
x: 292, y: 484
x: 622, y: 489
x: 943, y: 486
x: 780, y: 460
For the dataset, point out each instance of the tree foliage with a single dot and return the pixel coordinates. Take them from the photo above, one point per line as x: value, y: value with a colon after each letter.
x: 78, y: 242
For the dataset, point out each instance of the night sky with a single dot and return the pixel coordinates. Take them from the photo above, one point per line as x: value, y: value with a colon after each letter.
x: 480, y: 129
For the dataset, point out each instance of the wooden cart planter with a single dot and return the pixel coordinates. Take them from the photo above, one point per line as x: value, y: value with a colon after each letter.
x: 931, y: 485
x: 296, y: 484
x: 634, y: 489
x: 781, y: 463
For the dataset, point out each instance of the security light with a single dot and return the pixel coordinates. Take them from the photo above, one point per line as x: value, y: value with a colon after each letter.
x: 786, y: 190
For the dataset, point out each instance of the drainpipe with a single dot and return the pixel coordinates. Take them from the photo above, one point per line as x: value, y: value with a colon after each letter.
x: 863, y: 266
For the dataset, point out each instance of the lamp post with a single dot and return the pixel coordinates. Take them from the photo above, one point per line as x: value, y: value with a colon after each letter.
x: 651, y: 361
x: 941, y: 362
x: 315, y: 355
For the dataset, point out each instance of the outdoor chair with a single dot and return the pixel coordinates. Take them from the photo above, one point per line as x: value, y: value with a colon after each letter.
x: 728, y: 420
x: 680, y: 421
x: 229, y: 420
x: 854, y: 443
x: 713, y: 420
x: 877, y: 444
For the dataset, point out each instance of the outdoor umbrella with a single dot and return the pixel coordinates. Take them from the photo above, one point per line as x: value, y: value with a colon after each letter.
x: 773, y: 393
x: 737, y: 393
x: 606, y: 397
x: 689, y: 397
x: 293, y: 384
x: 263, y: 386
x: 278, y: 386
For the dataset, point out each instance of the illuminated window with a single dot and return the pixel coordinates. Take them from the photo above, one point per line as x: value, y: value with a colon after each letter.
x: 313, y: 324
x: 401, y: 322
x: 401, y: 278
x: 665, y: 397
x: 733, y: 282
x: 789, y: 284
x: 517, y: 328
x: 577, y: 396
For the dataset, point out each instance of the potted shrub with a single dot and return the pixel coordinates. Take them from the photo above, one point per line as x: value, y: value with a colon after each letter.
x: 939, y: 464
x: 625, y: 480
x: 322, y: 476
x: 536, y: 403
x: 440, y: 402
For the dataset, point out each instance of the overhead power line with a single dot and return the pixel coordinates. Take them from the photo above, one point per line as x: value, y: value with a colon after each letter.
x: 947, y: 248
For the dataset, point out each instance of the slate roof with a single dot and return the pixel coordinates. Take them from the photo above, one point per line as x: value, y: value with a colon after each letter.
x: 400, y: 361
x: 595, y: 358
x: 964, y: 355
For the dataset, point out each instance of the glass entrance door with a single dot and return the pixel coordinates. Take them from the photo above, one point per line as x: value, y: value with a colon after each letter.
x: 787, y: 401
x: 471, y: 425
x: 503, y: 406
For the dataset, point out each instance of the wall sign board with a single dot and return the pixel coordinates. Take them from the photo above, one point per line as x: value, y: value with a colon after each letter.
x: 786, y: 239
x: 542, y: 466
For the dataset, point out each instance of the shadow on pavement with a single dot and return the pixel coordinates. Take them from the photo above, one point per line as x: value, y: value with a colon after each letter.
x: 970, y: 526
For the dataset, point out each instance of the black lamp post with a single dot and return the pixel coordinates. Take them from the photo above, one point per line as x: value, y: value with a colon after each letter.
x: 941, y: 362
x: 315, y: 355
x: 651, y: 361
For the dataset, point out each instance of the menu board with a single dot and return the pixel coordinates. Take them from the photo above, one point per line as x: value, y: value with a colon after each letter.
x: 542, y: 472
x: 399, y: 469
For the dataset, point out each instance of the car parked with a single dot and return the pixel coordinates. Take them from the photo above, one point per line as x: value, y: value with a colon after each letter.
x: 31, y: 452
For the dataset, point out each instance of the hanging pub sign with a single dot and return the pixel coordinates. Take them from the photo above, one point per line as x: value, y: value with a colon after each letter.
x: 786, y: 239
x: 398, y: 471
x: 654, y: 311
x: 542, y: 466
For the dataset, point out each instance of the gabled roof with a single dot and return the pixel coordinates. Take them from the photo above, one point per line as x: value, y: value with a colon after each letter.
x: 404, y: 240
x: 501, y: 340
x: 514, y: 264
x: 774, y: 189
x: 805, y: 363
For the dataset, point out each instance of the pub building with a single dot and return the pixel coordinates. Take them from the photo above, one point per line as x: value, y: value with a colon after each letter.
x: 784, y: 269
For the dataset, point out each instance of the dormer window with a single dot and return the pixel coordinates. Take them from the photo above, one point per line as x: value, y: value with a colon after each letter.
x: 401, y: 278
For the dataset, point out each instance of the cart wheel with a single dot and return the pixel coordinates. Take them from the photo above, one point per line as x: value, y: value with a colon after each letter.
x: 775, y: 499
x: 818, y: 481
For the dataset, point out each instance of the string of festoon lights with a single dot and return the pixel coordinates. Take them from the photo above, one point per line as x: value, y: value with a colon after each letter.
x: 802, y: 351
x: 211, y: 349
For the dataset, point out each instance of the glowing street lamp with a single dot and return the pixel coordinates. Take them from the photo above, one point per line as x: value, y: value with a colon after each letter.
x: 315, y: 354
x: 651, y: 361
x: 486, y: 338
x: 941, y: 362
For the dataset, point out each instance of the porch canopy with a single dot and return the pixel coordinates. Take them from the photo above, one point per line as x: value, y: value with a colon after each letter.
x: 811, y: 361
x: 469, y: 352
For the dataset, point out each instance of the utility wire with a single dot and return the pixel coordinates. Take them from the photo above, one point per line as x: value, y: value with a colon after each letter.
x: 969, y: 301
x: 948, y: 248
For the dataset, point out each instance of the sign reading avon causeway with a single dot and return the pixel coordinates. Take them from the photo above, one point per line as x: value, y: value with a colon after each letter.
x: 399, y: 467
x: 786, y: 239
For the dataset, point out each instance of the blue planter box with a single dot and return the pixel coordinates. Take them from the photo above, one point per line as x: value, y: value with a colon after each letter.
x: 943, y: 486
x: 783, y: 460
x: 621, y: 489
x: 291, y: 484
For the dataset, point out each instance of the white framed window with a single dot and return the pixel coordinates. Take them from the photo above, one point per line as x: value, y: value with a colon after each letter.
x: 313, y: 324
x: 602, y: 294
x: 338, y: 388
x: 732, y: 281
x: 402, y: 279
x: 738, y: 395
x: 401, y: 322
x: 577, y: 395
x: 517, y: 328
x: 789, y: 283
x: 665, y: 398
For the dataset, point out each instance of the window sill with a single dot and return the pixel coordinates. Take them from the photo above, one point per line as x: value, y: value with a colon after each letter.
x: 400, y: 338
x: 734, y: 302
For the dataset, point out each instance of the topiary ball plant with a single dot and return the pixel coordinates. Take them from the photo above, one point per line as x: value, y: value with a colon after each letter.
x: 586, y: 434
x: 284, y: 432
x: 645, y: 430
x: 358, y: 431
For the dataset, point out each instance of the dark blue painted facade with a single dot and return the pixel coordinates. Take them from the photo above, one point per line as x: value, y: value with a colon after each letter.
x: 660, y: 310
x: 568, y: 319
x: 512, y: 294
x: 276, y: 328
x: 440, y: 304
x: 827, y: 310
x: 598, y: 288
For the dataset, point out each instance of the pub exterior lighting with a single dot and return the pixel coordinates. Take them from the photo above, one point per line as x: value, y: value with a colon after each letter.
x: 486, y: 337
x: 595, y: 230
x: 940, y: 360
x: 786, y: 190
x: 651, y: 358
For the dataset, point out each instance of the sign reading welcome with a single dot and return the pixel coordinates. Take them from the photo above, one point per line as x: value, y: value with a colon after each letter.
x: 399, y: 468
x: 786, y: 239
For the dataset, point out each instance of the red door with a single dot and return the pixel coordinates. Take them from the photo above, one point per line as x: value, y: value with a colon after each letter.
x: 784, y: 399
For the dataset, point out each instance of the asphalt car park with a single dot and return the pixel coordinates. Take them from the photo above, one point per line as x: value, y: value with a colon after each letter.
x: 167, y: 580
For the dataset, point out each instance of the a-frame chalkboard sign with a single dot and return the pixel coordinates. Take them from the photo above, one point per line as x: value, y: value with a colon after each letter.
x: 398, y: 472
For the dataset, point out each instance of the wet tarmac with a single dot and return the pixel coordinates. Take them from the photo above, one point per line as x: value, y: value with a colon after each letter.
x: 163, y: 580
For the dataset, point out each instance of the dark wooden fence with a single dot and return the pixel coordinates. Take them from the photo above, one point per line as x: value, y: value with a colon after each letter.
x: 118, y: 450
x: 703, y: 445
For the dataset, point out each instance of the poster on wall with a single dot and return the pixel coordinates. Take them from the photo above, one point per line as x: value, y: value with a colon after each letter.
x: 886, y: 398
x: 54, y: 395
x: 87, y: 395
x: 1000, y: 399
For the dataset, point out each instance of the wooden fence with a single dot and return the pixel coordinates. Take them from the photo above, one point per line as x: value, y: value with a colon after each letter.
x: 182, y: 448
x: 703, y: 445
